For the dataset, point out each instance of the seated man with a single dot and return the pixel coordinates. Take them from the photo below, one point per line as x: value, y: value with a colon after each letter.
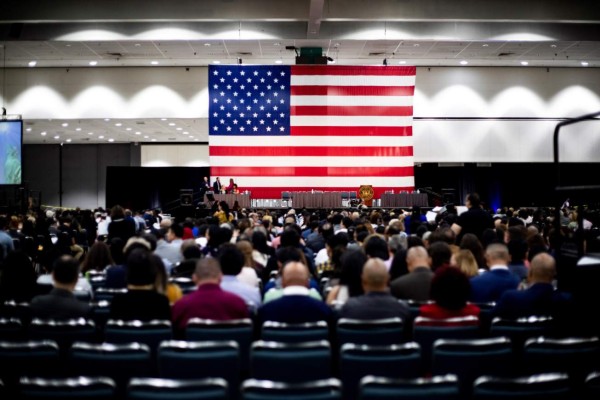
x: 490, y: 285
x: 540, y: 298
x: 377, y: 302
x: 415, y: 285
x: 296, y: 305
x: 208, y: 300
x: 232, y: 262
x: 61, y: 303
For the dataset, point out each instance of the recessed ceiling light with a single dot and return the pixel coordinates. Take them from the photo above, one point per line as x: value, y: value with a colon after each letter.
x: 276, y: 44
x: 196, y: 140
x: 171, y: 123
x: 464, y: 62
x: 107, y: 119
x: 28, y: 129
x: 178, y: 129
x: 153, y: 140
x: 101, y: 137
x: 127, y: 129
x: 191, y: 137
x: 216, y: 62
x: 154, y: 62
x: 90, y: 133
x: 146, y: 137
x: 67, y: 45
x: 111, y: 140
x: 68, y: 140
x: 278, y: 61
x: 118, y: 124
x: 416, y: 45
x: 402, y: 62
x: 138, y: 133
x: 65, y: 124
x: 32, y: 63
x: 93, y: 63
x: 207, y: 44
x: 56, y: 137
x: 43, y: 133
x: 485, y: 45
x: 163, y: 119
x: 553, y: 46
x: 137, y: 45
x: 77, y: 129
x: 585, y: 63
x: 524, y: 63
x: 186, y: 133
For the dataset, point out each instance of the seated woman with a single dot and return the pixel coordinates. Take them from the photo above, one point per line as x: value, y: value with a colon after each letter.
x: 235, y: 189
x: 450, y: 289
x: 230, y: 187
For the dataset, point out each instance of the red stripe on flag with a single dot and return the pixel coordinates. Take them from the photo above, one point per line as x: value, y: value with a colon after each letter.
x: 312, y: 171
x: 275, y: 192
x: 352, y: 70
x: 306, y: 151
x: 351, y: 130
x: 352, y: 110
x: 352, y: 90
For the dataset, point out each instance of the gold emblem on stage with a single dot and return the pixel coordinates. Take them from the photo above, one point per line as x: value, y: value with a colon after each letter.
x: 366, y: 193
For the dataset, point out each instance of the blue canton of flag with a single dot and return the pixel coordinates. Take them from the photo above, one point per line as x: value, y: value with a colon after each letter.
x: 249, y: 100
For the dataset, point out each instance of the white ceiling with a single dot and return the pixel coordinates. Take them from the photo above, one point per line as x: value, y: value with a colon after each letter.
x: 190, y: 33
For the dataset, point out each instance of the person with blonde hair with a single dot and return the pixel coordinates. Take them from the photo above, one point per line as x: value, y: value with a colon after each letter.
x: 465, y: 261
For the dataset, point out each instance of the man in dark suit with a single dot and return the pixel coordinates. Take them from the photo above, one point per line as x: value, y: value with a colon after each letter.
x: 204, y: 187
x: 475, y: 220
x: 540, y: 298
x: 296, y: 305
x: 61, y: 303
x: 417, y: 283
x: 377, y: 302
x: 490, y: 285
x: 217, y: 187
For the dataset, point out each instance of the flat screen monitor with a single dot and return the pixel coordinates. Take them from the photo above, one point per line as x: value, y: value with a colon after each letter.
x: 11, y: 139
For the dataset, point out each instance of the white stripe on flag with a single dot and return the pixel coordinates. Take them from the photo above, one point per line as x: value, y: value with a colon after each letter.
x: 385, y: 101
x: 352, y: 80
x: 351, y: 120
x: 302, y: 161
x: 311, y: 141
x: 325, y: 181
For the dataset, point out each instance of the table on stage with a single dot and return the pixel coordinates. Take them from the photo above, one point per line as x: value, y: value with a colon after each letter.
x: 316, y: 200
x: 404, y: 200
x: 242, y: 199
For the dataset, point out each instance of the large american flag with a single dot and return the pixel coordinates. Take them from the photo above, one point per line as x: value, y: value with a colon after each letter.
x: 298, y: 128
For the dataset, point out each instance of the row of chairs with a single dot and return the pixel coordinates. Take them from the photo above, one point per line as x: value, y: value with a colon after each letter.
x: 299, y: 362
x: 536, y: 387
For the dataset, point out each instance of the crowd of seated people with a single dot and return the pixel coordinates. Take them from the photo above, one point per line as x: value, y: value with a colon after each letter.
x: 295, y: 267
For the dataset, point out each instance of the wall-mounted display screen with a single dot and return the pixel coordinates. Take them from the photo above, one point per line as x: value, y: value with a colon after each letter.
x: 11, y: 139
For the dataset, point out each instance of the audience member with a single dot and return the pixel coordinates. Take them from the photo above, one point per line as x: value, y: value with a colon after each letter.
x: 376, y: 302
x: 61, y: 303
x: 248, y: 273
x: 208, y: 300
x: 415, y: 285
x: 349, y: 282
x: 142, y: 301
x: 490, y: 285
x: 464, y: 261
x: 475, y: 220
x: 450, y: 290
x: 98, y: 258
x: 232, y: 262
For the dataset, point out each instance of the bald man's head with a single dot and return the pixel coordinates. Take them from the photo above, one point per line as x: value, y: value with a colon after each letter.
x: 542, y: 269
x: 375, y: 276
x: 417, y: 256
x: 497, y: 253
x: 208, y: 270
x: 295, y: 274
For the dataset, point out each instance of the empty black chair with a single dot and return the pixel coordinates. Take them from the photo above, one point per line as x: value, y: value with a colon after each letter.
x: 326, y: 389
x: 384, y: 331
x: 485, y: 316
x: 64, y: 332
x: 577, y: 357
x: 151, y: 333
x: 28, y: 358
x: 521, y: 329
x: 240, y: 331
x: 592, y: 386
x: 533, y: 387
x: 119, y: 362
x: 470, y: 358
x: 11, y: 329
x: 97, y: 281
x: 12, y: 309
x: 100, y: 313
x: 294, y: 333
x: 434, y: 388
x: 392, y: 361
x: 427, y: 330
x: 193, y: 360
x: 177, y: 389
x: 81, y: 388
x: 290, y: 362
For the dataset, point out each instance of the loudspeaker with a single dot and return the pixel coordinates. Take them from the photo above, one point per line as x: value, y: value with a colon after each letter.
x: 186, y: 197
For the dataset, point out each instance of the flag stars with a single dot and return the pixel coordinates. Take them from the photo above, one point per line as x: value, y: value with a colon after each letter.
x: 242, y: 129
x: 228, y: 115
x: 222, y: 121
x: 215, y: 86
x: 255, y: 128
x: 282, y: 115
x: 282, y: 87
x: 275, y: 94
x: 228, y: 101
x: 275, y: 122
x: 262, y: 121
x: 228, y: 72
x: 268, y: 115
x: 235, y: 80
x: 222, y: 108
x: 248, y: 94
x: 235, y: 94
x: 228, y: 87
x: 275, y: 108
x: 268, y: 129
x: 282, y: 101
x: 215, y: 128
x: 281, y: 129
x: 222, y: 80
x: 215, y: 115
x: 269, y: 87
x: 255, y: 115
x: 268, y: 101
x: 242, y: 72
x: 215, y: 100
x: 255, y: 87
x: 235, y: 121
x: 248, y: 108
x: 282, y: 73
x: 215, y: 73
x: 228, y: 129
x: 235, y: 108
x: 249, y: 80
x: 262, y: 80
x: 222, y: 94
x: 248, y: 122
x: 276, y: 80
x: 242, y: 115
x: 255, y: 101
x: 242, y: 87
x: 268, y: 73
x: 242, y: 101
x: 262, y: 108
x: 255, y: 73
x: 262, y: 94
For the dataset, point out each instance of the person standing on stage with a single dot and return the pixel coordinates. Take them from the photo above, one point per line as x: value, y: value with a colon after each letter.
x: 229, y: 188
x: 204, y: 187
x: 217, y: 187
